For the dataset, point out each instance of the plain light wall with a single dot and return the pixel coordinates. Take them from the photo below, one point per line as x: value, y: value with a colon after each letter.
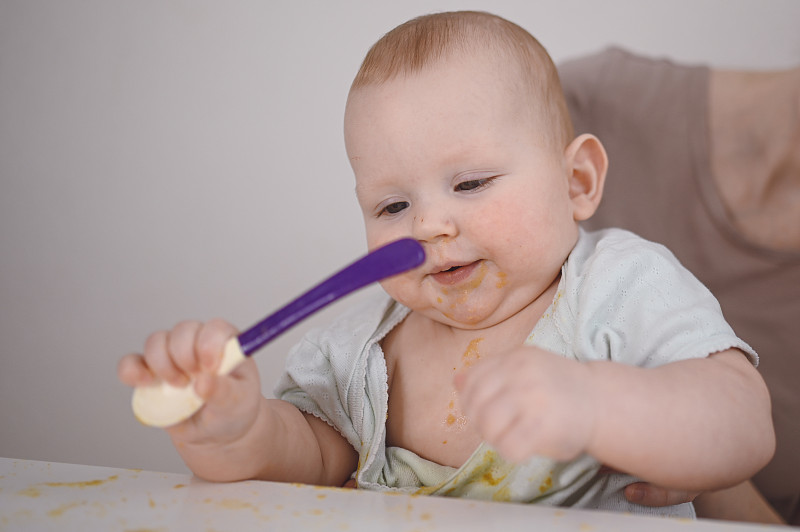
x: 162, y: 161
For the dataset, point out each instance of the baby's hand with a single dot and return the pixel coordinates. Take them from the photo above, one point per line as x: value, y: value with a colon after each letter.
x: 193, y: 351
x: 530, y: 402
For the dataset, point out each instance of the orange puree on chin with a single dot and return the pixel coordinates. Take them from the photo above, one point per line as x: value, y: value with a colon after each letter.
x: 465, y: 289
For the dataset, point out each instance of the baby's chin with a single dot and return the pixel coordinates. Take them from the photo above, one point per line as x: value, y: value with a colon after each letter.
x: 478, y: 314
x: 461, y: 317
x: 464, y: 318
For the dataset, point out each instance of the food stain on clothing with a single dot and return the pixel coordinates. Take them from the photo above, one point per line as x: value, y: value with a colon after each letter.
x: 547, y: 484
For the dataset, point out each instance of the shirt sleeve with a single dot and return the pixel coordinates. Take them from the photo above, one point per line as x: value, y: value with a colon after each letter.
x: 635, y: 304
x: 338, y: 373
x: 313, y: 384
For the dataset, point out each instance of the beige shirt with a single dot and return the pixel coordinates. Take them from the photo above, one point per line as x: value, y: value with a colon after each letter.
x: 652, y: 116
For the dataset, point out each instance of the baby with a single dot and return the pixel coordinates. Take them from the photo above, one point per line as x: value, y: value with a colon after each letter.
x: 525, y: 354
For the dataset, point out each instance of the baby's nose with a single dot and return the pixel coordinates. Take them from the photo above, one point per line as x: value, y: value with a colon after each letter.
x: 434, y: 224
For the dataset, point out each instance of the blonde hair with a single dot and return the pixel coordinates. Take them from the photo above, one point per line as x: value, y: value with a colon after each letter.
x: 425, y: 40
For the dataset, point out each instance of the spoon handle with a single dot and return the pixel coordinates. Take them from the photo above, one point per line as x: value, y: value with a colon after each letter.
x: 391, y: 259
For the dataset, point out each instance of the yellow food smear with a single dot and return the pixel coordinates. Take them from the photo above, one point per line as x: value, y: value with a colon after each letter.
x: 471, y: 355
x: 236, y: 504
x: 489, y: 478
x: 465, y: 289
x: 33, y: 491
x: 57, y: 512
x: 82, y: 484
x: 462, y: 291
x: 455, y: 420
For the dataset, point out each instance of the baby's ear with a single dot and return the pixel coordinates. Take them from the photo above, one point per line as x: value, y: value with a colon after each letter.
x: 587, y: 162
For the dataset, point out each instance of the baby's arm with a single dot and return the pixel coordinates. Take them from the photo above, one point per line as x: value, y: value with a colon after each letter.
x: 238, y: 434
x: 696, y: 424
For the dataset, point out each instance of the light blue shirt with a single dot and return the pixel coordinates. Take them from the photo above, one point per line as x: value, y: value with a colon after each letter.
x: 620, y: 298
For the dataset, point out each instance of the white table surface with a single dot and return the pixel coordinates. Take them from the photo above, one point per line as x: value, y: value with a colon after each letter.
x: 44, y: 496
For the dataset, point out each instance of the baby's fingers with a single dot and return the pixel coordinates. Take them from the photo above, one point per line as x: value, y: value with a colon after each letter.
x: 479, y: 385
x: 181, y: 342
x: 652, y: 495
x: 133, y: 372
x: 211, y: 341
x: 157, y: 357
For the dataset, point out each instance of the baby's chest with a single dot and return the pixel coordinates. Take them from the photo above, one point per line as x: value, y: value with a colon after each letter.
x: 424, y: 413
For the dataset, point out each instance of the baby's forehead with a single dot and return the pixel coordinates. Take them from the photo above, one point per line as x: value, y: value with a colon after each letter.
x: 505, y: 71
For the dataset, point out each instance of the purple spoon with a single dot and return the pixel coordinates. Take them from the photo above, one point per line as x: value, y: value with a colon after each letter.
x: 162, y: 404
x: 391, y: 259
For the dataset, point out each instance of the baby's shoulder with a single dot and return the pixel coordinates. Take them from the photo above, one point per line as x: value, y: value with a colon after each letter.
x: 617, y: 252
x: 610, y: 267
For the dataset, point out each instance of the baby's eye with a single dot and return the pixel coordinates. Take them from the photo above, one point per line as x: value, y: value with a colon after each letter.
x: 394, y: 208
x: 473, y: 184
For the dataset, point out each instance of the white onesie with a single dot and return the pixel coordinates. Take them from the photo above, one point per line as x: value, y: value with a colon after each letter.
x: 620, y: 298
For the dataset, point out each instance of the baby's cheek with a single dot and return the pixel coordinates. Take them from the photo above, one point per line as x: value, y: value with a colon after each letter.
x: 401, y: 289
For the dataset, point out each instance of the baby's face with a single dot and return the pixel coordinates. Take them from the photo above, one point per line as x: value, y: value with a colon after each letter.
x: 450, y: 157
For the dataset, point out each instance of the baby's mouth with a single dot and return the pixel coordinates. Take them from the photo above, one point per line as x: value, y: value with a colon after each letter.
x: 455, y: 274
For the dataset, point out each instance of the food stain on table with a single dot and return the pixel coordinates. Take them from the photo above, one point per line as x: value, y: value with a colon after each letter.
x: 58, y: 512
x: 31, y: 491
x: 238, y: 505
x: 81, y: 484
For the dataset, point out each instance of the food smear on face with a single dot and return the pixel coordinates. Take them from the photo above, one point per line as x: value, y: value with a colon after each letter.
x: 467, y: 288
x: 458, y: 295
x: 502, y: 279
